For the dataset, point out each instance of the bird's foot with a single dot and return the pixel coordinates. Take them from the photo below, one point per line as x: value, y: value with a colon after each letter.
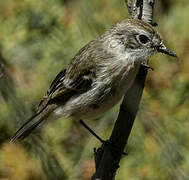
x: 147, y: 66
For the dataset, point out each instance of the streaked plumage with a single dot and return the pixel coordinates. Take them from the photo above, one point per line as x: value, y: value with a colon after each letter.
x: 98, y: 76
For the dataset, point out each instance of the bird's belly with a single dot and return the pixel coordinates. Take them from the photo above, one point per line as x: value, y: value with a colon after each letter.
x: 94, y: 103
x: 88, y: 110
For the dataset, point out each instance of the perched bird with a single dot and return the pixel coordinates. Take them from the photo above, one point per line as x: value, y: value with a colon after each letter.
x: 99, y: 74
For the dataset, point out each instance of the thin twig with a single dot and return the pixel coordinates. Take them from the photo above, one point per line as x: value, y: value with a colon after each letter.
x: 107, y: 162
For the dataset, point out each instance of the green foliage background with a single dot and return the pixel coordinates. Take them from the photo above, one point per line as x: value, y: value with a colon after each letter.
x: 37, y: 39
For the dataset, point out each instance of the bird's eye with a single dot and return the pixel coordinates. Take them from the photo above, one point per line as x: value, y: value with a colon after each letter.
x: 143, y: 39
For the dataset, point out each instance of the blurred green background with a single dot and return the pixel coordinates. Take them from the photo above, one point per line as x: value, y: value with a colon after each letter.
x: 37, y: 39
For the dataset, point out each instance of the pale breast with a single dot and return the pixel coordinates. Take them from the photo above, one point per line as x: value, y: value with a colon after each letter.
x: 101, y: 97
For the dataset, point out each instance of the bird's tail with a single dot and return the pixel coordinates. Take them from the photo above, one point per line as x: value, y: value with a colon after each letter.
x: 31, y: 124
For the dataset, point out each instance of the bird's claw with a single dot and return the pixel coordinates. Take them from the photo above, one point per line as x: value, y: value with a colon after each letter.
x: 148, y: 67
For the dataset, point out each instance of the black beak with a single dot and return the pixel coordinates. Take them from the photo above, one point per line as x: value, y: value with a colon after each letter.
x: 164, y: 50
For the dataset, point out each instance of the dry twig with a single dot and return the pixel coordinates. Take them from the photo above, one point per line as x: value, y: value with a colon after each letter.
x: 107, y: 158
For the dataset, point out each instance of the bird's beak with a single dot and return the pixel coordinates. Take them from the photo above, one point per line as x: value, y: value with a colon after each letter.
x: 164, y: 50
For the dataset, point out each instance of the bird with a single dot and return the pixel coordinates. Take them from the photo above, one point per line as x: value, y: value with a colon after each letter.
x: 98, y: 76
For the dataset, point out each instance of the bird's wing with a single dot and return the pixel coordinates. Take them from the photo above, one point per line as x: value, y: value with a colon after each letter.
x: 62, y: 88
x: 76, y: 78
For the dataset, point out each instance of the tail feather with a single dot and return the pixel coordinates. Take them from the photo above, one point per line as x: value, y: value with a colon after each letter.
x: 26, y: 128
x: 31, y: 124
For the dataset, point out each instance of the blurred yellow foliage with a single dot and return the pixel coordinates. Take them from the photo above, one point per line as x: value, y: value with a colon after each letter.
x: 16, y: 165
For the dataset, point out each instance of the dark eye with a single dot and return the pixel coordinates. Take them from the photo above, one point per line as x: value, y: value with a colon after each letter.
x: 143, y: 39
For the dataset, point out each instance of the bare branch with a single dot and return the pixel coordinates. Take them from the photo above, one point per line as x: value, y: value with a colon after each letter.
x: 141, y: 9
x: 107, y: 158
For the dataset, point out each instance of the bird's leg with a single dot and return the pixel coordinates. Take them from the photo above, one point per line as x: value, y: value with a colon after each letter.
x: 104, y: 142
x: 92, y: 132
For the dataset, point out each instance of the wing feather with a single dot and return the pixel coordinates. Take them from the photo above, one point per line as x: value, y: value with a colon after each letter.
x: 76, y: 78
x: 62, y: 89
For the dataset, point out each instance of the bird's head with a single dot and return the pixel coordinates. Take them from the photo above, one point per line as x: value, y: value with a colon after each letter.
x: 140, y: 39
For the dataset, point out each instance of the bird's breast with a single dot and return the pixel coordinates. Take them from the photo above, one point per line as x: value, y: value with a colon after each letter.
x: 116, y: 84
x: 106, y: 92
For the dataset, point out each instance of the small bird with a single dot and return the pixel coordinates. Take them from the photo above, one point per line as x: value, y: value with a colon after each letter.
x: 99, y: 75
